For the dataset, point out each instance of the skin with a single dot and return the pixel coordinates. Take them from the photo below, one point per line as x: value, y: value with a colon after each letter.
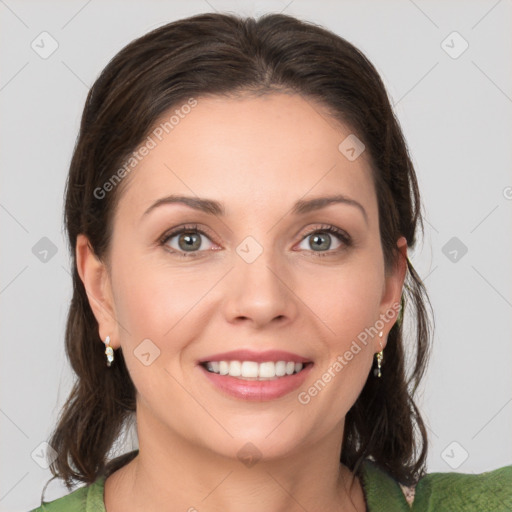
x: 257, y: 156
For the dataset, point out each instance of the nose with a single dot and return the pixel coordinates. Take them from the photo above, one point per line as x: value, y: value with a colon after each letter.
x: 260, y: 292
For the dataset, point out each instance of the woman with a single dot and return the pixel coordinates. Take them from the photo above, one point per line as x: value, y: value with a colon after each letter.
x: 239, y: 206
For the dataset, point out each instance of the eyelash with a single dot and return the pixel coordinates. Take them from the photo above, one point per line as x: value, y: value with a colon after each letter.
x: 332, y: 230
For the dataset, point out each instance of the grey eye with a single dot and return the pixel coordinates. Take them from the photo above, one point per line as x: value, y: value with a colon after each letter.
x: 319, y: 242
x: 188, y: 241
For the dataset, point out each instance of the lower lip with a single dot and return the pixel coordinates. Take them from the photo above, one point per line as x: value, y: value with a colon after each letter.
x: 257, y: 390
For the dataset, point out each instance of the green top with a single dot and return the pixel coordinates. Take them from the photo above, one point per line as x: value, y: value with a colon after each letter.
x: 435, y: 492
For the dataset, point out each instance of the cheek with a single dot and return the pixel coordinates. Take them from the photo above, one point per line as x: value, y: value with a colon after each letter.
x: 149, y: 303
x: 349, y: 306
x: 162, y: 304
x: 155, y: 315
x: 347, y: 303
x: 347, y: 299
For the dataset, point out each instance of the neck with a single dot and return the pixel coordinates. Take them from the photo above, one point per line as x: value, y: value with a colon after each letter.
x: 171, y: 473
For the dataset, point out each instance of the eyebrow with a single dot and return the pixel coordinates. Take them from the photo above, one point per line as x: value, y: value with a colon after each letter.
x: 301, y: 207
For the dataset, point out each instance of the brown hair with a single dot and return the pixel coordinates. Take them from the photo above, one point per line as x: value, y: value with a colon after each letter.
x: 219, y: 54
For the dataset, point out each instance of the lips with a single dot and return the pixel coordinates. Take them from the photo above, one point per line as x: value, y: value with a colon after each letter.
x: 258, y: 357
x: 256, y: 390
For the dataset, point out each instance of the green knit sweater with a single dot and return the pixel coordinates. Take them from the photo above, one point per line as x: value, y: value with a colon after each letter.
x: 435, y: 492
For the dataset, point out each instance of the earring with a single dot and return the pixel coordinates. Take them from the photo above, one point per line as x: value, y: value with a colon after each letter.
x: 380, y: 355
x: 400, y: 317
x: 109, y: 351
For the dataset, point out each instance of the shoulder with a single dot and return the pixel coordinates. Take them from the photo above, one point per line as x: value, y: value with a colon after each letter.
x: 440, y: 492
x: 88, y: 498
x: 491, y: 490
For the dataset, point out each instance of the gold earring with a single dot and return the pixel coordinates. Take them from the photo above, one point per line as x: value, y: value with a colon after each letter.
x: 380, y: 355
x: 109, y: 351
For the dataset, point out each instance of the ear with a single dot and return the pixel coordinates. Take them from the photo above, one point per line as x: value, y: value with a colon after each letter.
x: 392, y: 291
x: 96, y: 280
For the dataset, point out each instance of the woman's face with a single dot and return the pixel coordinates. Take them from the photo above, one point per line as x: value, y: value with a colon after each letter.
x: 261, y: 276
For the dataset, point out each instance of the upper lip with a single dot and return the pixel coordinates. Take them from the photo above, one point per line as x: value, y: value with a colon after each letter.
x: 258, y: 357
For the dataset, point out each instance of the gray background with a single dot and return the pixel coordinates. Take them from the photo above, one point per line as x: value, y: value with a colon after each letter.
x: 456, y: 116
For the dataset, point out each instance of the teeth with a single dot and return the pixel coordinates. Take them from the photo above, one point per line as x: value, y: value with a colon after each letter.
x: 248, y: 369
x: 251, y: 370
x: 235, y: 368
x: 214, y: 366
x: 267, y: 370
x: 223, y: 367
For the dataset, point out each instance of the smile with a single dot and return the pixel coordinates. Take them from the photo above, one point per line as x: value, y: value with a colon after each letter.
x: 252, y: 370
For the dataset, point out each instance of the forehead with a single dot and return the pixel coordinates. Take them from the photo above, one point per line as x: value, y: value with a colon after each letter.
x: 262, y: 151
